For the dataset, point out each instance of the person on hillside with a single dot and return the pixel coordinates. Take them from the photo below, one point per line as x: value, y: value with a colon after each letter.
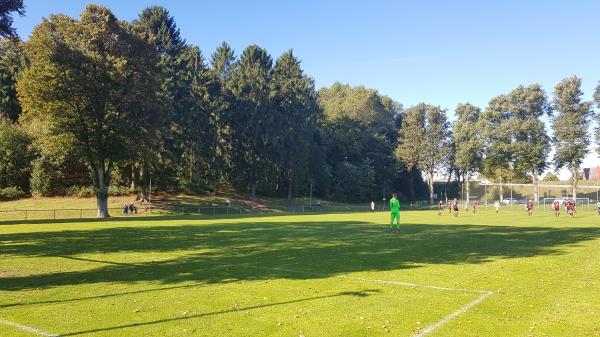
x: 497, y: 206
x: 372, y: 206
x: 474, y: 205
x: 125, y: 209
x: 556, y: 206
x: 455, y: 207
x: 395, y: 212
x: 440, y: 208
x: 529, y: 208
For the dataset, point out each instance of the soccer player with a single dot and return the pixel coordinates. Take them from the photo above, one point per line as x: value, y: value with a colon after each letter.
x: 556, y: 205
x: 372, y: 206
x: 571, y: 208
x: 598, y: 207
x: 395, y: 212
x: 440, y: 207
x: 474, y: 205
x: 455, y: 207
x: 529, y: 208
x: 497, y: 206
x: 450, y: 207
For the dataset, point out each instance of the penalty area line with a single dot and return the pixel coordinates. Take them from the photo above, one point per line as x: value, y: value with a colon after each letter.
x: 428, y: 330
x: 28, y: 329
x: 451, y: 316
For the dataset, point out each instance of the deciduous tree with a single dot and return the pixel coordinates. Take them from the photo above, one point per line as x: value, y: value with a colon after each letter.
x: 94, y: 81
x: 570, y: 126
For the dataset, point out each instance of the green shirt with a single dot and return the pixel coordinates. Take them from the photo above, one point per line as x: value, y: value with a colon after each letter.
x: 394, y: 205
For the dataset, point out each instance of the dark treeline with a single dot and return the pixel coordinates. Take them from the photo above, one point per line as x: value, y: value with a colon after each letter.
x: 98, y: 105
x: 100, y: 102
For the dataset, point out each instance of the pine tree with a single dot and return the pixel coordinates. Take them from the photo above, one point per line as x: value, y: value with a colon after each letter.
x: 295, y: 106
x: 251, y: 118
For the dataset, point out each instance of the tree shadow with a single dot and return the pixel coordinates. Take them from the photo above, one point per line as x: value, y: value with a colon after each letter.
x: 226, y: 252
x: 362, y: 293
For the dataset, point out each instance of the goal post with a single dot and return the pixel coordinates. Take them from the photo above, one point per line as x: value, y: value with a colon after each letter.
x: 578, y: 201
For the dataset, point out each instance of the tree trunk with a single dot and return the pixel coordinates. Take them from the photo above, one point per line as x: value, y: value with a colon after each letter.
x: 535, y: 182
x: 411, y: 185
x: 574, y: 181
x: 132, y: 186
x: 101, y: 183
x: 501, y: 190
x: 430, y: 186
x: 290, y: 187
x: 467, y: 190
x: 253, y: 191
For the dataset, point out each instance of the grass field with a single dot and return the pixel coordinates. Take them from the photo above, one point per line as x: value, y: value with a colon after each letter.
x: 312, y: 275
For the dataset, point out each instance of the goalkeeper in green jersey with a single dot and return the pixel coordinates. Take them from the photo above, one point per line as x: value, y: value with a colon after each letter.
x: 395, y: 210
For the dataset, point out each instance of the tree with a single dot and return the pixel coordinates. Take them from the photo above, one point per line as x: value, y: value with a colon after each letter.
x: 12, y: 63
x: 359, y: 127
x: 251, y: 118
x: 424, y: 140
x: 221, y: 61
x: 6, y: 20
x: 469, y: 141
x: 531, y: 142
x: 16, y: 155
x: 550, y: 177
x: 94, y: 81
x: 498, y: 162
x: 597, y: 118
x: 570, y: 126
x: 295, y: 106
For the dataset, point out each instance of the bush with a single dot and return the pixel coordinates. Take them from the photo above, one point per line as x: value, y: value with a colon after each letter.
x: 79, y: 191
x: 43, y: 178
x: 550, y: 177
x: 118, y: 190
x: 12, y: 192
x: 15, y: 155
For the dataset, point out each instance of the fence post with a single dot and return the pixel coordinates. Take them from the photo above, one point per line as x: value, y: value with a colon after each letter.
x: 54, y: 211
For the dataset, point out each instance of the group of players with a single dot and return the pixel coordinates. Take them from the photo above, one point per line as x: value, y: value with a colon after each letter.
x: 569, y: 205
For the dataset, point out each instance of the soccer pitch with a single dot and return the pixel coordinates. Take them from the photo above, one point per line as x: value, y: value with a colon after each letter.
x: 311, y: 275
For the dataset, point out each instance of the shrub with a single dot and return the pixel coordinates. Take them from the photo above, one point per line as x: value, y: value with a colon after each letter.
x: 43, y: 178
x: 550, y: 177
x: 118, y: 190
x: 15, y: 155
x: 12, y: 192
x: 79, y: 191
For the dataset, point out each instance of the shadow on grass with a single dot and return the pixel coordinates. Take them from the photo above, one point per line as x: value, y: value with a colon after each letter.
x: 144, y: 218
x: 362, y: 293
x: 216, y: 253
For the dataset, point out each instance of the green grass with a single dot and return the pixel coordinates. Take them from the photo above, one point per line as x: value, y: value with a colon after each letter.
x: 302, y: 275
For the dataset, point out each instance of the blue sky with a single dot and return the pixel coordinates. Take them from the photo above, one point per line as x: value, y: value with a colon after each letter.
x: 440, y: 52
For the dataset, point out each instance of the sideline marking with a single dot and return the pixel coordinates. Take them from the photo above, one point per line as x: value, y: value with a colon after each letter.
x: 28, y: 329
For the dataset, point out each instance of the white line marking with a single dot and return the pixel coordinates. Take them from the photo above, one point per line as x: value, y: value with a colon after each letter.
x: 453, y: 315
x: 28, y: 329
x: 423, y: 333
